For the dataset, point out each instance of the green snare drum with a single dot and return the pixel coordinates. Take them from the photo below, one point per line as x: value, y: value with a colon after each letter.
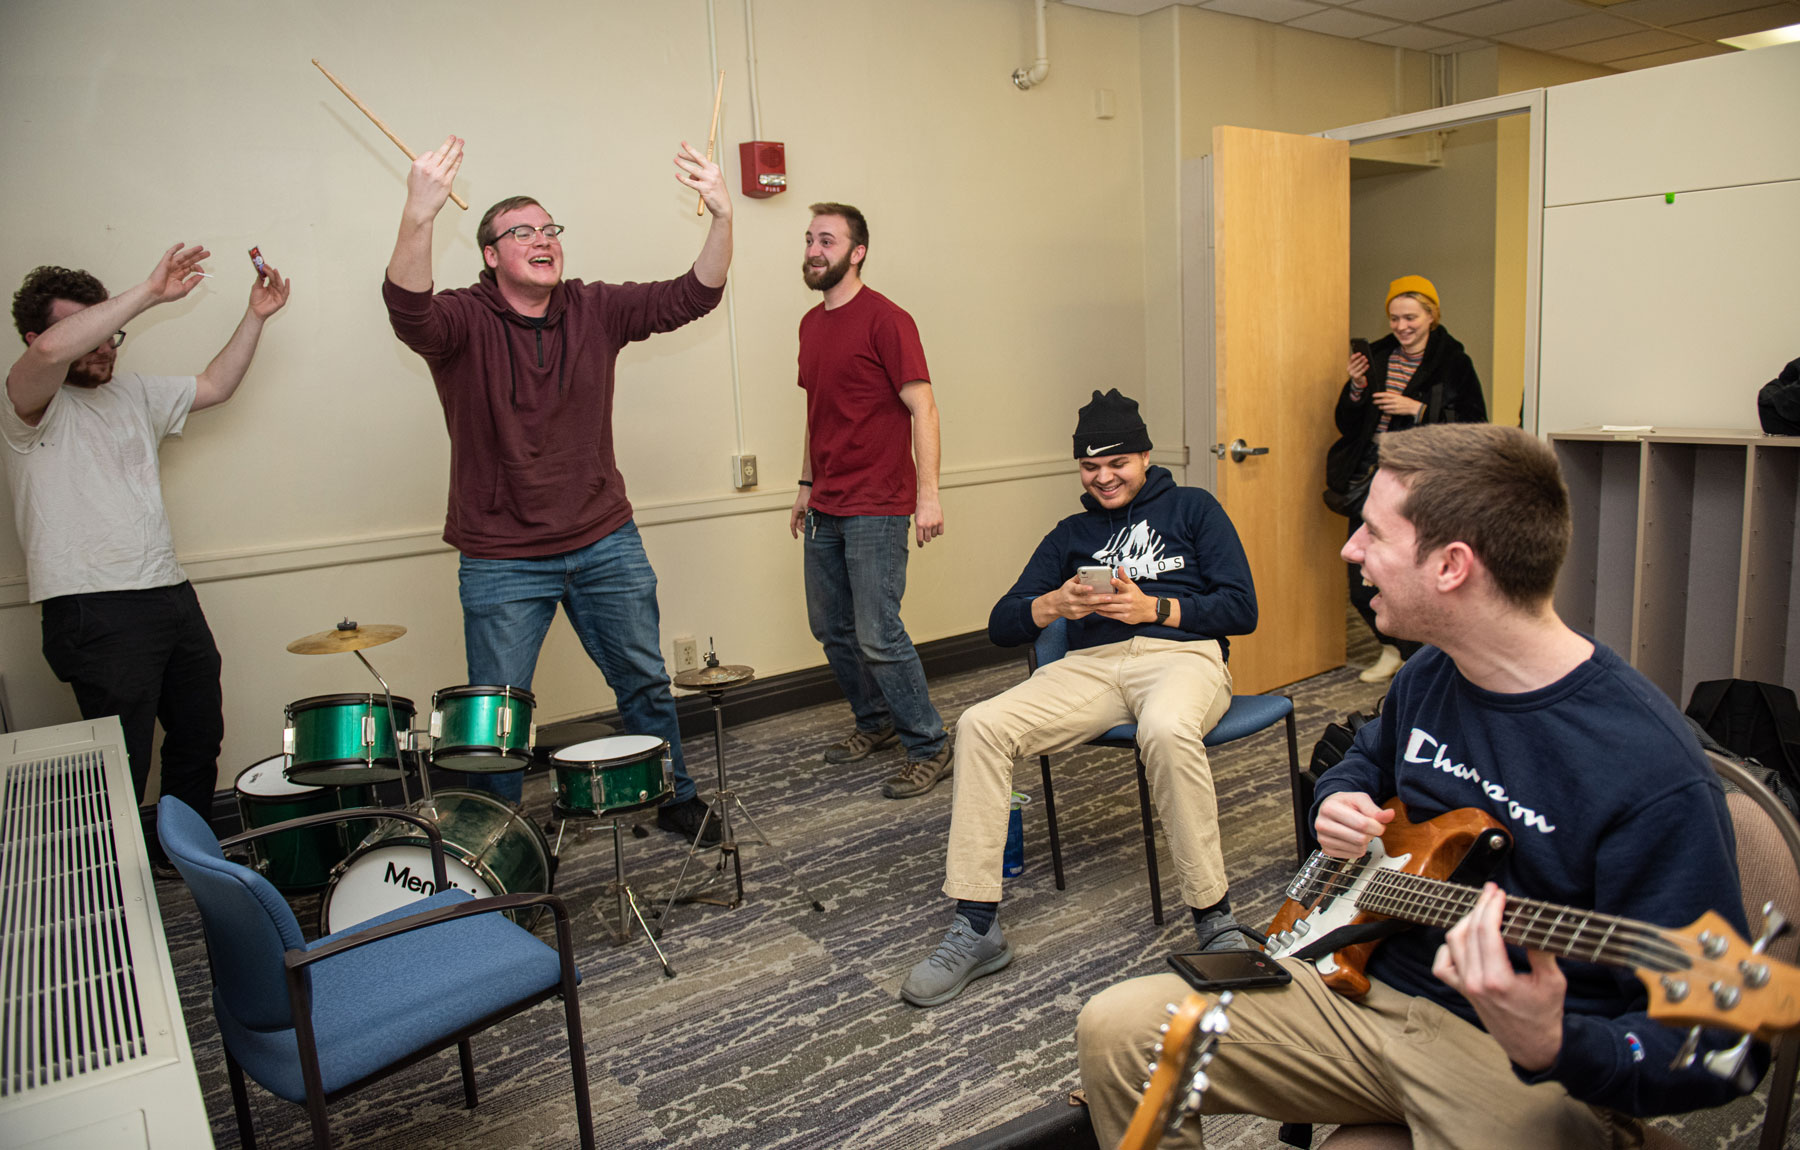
x: 341, y: 739
x: 613, y: 775
x: 300, y: 859
x: 489, y: 849
x: 482, y: 729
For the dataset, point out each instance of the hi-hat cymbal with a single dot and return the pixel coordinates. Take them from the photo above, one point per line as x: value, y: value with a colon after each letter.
x: 701, y: 678
x: 353, y: 638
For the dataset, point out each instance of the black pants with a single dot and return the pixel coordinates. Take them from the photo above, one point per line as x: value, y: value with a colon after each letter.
x: 1361, y: 595
x: 144, y: 656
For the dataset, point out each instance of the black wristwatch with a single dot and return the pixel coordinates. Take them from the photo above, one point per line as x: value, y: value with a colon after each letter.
x: 1163, y: 607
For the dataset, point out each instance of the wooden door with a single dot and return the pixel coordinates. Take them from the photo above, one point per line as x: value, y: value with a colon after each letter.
x: 1281, y: 298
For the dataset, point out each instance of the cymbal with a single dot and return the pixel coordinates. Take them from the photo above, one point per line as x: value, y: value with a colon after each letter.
x: 336, y: 641
x: 702, y: 678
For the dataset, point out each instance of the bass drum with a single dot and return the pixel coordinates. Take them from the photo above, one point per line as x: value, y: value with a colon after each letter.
x: 490, y: 848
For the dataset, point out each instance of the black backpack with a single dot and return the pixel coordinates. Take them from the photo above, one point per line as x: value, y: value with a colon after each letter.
x: 1759, y: 721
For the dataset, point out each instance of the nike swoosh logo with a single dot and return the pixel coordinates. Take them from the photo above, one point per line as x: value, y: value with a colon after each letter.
x: 1098, y: 450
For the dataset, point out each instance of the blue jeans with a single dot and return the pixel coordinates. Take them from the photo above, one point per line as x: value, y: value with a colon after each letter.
x: 609, y: 592
x: 855, y: 576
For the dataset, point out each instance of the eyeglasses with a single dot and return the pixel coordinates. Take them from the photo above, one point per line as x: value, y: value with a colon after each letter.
x: 524, y: 233
x: 118, y: 337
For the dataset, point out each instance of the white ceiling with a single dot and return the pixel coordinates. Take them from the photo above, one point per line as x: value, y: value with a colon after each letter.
x: 1627, y: 34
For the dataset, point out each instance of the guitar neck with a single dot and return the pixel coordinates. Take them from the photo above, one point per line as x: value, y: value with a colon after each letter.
x: 1560, y: 930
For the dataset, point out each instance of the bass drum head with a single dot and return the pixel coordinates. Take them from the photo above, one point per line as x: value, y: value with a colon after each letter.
x: 387, y: 876
x: 267, y: 780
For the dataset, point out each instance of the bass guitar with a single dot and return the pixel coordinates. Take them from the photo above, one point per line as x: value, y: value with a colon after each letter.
x: 1178, y: 1076
x: 1430, y: 873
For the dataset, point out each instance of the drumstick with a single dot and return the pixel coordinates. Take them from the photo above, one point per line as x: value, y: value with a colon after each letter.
x: 712, y: 134
x: 376, y: 120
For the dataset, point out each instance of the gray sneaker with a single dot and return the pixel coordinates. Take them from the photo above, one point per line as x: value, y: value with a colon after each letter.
x: 919, y: 775
x: 961, y: 958
x: 860, y: 745
x: 1224, y: 932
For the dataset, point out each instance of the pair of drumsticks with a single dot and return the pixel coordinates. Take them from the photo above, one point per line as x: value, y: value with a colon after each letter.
x: 712, y: 133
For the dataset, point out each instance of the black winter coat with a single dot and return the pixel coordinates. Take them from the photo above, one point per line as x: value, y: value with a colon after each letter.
x: 1459, y: 401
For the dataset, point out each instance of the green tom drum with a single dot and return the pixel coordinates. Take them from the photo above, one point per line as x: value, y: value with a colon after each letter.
x: 490, y: 848
x: 336, y: 740
x: 482, y: 729
x: 296, y: 860
x: 612, y: 775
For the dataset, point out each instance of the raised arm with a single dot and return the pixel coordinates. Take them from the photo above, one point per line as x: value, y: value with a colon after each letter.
x: 36, y: 375
x: 268, y: 295
x: 928, y: 514
x: 696, y: 171
x: 427, y: 188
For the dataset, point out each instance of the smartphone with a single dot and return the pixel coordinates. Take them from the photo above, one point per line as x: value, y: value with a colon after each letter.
x: 1359, y: 346
x: 1229, y: 969
x: 1096, y: 578
x: 256, y: 258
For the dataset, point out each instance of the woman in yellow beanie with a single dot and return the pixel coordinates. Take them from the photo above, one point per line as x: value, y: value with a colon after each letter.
x: 1416, y: 374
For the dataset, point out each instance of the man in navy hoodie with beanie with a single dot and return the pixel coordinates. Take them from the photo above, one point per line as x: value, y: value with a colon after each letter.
x: 1466, y: 1040
x: 523, y: 361
x: 1151, y: 650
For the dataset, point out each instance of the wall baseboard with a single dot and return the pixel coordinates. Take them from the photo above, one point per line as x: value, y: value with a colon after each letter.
x: 761, y: 699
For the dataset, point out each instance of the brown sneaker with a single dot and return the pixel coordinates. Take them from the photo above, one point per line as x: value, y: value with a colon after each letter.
x: 919, y: 775
x: 859, y: 746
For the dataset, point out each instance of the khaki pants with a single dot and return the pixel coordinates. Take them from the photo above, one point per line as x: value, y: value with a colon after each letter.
x: 1174, y: 691
x: 1301, y: 1053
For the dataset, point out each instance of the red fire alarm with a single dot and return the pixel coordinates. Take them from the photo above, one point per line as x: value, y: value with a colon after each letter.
x: 764, y: 164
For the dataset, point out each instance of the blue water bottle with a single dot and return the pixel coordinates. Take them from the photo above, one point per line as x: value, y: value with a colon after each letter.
x: 1013, y: 864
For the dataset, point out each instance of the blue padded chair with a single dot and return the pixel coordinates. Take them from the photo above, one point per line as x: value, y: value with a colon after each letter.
x: 1246, y: 715
x: 312, y: 1022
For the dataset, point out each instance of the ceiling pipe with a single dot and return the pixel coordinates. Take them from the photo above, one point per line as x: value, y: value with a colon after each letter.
x: 1026, y: 78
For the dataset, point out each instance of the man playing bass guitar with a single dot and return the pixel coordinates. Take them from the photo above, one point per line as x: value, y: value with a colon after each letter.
x: 1590, y: 769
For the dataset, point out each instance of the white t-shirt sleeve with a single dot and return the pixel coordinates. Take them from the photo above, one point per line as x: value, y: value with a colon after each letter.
x: 167, y: 401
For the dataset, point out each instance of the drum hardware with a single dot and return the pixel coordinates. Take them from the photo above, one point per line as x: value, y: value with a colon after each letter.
x: 351, y: 636
x: 482, y: 729
x: 714, y: 680
x: 611, y: 778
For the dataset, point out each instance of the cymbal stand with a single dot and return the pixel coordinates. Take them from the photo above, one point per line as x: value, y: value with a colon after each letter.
x: 427, y: 808
x: 719, y: 808
x: 628, y: 903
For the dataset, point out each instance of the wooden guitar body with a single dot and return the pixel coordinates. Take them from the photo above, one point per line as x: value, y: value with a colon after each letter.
x: 1324, y: 894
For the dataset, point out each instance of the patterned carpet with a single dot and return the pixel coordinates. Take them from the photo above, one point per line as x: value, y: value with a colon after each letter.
x: 783, y: 1027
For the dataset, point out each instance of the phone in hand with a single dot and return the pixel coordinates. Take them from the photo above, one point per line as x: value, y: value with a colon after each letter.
x: 1096, y: 578
x: 1359, y: 346
x: 1229, y: 969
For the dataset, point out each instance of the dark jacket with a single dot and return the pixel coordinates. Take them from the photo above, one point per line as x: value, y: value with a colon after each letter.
x: 1174, y: 542
x: 1459, y: 401
x: 529, y: 405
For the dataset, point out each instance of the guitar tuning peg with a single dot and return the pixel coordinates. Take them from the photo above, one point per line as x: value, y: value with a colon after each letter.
x: 1163, y: 1029
x: 1684, y: 1057
x: 1729, y: 1063
x: 1775, y: 924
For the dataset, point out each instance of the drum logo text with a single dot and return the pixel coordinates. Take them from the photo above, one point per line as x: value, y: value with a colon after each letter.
x: 404, y: 877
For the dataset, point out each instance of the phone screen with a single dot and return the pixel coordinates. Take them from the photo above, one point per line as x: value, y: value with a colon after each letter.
x: 1229, y: 969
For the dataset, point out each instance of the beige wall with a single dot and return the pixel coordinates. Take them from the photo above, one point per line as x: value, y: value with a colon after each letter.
x: 1009, y: 223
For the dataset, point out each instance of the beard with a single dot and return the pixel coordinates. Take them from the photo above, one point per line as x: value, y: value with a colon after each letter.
x: 90, y: 373
x: 827, y: 277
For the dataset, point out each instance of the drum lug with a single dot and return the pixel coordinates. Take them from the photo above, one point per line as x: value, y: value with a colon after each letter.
x: 437, y: 724
x: 505, y: 722
x: 368, y: 731
x: 287, y: 739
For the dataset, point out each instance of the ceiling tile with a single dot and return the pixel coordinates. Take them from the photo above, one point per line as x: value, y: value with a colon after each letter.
x: 1278, y: 11
x: 1739, y: 23
x: 1462, y: 46
x: 1415, y: 10
x: 1414, y: 37
x: 1342, y: 22
x: 1509, y: 16
x: 1581, y: 30
x: 1662, y: 13
x: 1619, y: 47
x: 1672, y: 56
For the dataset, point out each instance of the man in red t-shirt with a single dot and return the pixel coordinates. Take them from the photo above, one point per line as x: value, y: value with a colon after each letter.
x: 870, y: 462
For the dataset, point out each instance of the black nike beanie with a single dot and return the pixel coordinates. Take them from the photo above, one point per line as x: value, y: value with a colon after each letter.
x: 1110, y: 425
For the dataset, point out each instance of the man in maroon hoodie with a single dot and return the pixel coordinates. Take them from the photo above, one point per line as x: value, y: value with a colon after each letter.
x: 523, y: 363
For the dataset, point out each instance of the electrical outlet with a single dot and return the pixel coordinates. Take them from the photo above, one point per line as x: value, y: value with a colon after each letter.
x: 687, y: 654
x: 743, y: 471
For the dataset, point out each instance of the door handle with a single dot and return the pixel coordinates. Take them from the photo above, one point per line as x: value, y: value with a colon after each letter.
x: 1238, y: 450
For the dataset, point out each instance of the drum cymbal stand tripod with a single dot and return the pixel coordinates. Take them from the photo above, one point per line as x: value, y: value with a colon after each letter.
x: 628, y: 903
x: 714, y: 681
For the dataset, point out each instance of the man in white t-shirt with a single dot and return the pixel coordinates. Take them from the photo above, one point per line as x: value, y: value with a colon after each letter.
x: 121, y: 622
